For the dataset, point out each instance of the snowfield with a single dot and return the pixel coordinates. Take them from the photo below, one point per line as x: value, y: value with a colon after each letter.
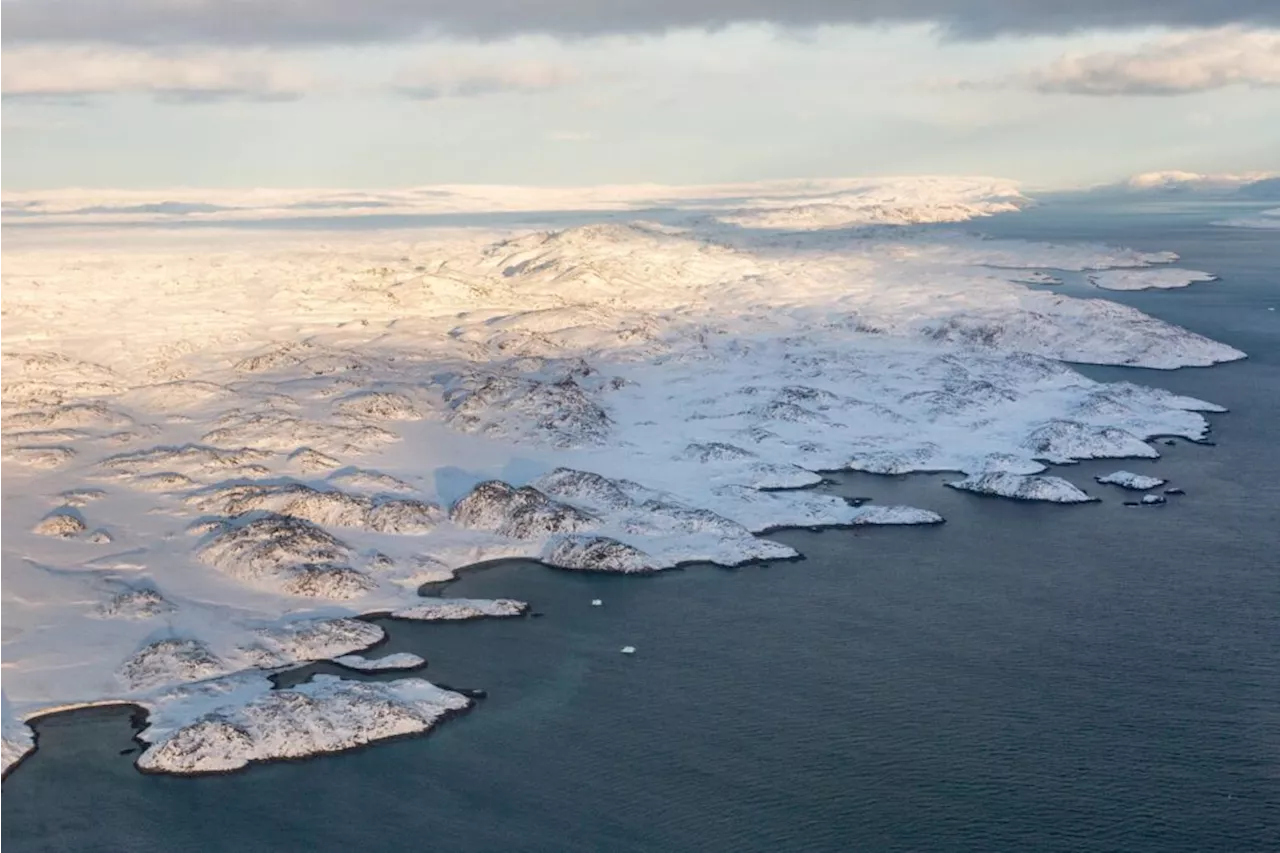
x: 222, y: 443
x: 1148, y: 279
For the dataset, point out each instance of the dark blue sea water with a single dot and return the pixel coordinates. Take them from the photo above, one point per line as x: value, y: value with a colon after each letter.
x: 1022, y: 678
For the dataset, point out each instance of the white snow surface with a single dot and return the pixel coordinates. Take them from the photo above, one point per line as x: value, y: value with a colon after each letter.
x: 1165, y: 278
x: 1130, y: 480
x: 397, y: 660
x: 276, y: 432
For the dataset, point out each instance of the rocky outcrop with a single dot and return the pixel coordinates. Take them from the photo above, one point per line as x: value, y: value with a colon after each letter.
x: 523, y: 513
x: 597, y: 554
x: 1023, y: 488
x: 327, y: 714
x: 1129, y: 480
x: 289, y: 555
x: 312, y: 639
x: 456, y: 609
x: 170, y: 661
x: 64, y: 523
x: 398, y: 661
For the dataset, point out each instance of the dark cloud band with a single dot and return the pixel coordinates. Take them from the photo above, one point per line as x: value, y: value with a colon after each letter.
x: 277, y: 22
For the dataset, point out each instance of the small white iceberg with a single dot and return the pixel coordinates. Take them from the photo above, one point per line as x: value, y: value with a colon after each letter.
x: 628, y: 650
x: 595, y: 602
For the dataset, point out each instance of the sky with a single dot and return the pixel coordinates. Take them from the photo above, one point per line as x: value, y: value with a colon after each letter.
x: 392, y: 93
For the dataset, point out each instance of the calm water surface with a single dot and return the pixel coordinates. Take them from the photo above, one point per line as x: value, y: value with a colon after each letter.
x: 1022, y: 678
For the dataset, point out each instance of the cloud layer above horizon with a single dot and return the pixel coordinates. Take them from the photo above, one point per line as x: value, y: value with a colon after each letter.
x: 244, y: 22
x: 328, y: 92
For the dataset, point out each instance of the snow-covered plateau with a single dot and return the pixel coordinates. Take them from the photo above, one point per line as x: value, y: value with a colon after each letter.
x: 222, y: 444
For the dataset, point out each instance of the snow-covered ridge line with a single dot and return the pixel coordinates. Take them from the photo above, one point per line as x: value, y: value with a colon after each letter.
x: 896, y: 200
x: 296, y: 434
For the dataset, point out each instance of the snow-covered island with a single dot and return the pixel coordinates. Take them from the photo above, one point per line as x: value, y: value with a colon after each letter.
x: 1024, y: 488
x: 1148, y: 279
x: 397, y: 661
x: 1130, y: 480
x: 294, y: 433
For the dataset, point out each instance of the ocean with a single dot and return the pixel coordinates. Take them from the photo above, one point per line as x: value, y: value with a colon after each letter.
x: 1022, y: 678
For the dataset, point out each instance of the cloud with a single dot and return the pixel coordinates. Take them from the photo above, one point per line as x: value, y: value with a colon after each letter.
x: 10, y: 124
x: 461, y: 79
x: 1174, y: 65
x: 570, y: 136
x: 263, y: 22
x: 77, y: 73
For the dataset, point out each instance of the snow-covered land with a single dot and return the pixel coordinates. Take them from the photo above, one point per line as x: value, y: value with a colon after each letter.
x: 1264, y: 219
x: 1023, y: 488
x: 1038, y: 277
x: 1166, y: 278
x: 18, y: 739
x: 1130, y: 480
x: 455, y: 609
x: 399, y: 660
x: 221, y: 444
x: 222, y: 725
